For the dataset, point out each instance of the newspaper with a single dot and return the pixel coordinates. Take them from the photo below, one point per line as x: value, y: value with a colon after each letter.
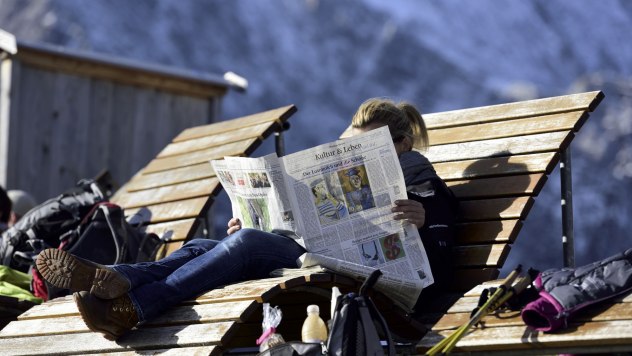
x: 337, y: 198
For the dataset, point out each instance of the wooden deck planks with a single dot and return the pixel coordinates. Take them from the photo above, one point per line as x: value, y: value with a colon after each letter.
x: 141, y: 339
x: 602, y: 336
x: 189, y: 351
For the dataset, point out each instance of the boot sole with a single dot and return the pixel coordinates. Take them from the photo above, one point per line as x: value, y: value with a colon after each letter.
x: 83, y: 311
x: 64, y: 270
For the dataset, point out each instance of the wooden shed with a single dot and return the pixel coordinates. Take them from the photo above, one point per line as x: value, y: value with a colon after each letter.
x: 66, y: 115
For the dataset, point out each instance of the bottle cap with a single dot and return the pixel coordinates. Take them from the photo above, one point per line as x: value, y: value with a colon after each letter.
x: 313, y: 308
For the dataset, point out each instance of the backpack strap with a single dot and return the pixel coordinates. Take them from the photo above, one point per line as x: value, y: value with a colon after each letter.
x: 377, y: 319
x: 366, y: 319
x: 120, y: 250
x: 370, y: 314
x: 369, y: 282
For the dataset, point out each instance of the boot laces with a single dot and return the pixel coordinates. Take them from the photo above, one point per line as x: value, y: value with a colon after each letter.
x: 124, y: 308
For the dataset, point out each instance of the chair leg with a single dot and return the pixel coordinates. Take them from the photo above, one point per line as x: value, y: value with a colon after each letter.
x: 568, y: 245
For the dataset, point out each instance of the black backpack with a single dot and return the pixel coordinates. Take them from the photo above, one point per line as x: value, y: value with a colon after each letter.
x: 103, y: 236
x: 357, y: 324
x: 82, y: 222
x: 42, y: 226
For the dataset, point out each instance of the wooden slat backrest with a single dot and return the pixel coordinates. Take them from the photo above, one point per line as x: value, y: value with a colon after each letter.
x: 175, y: 189
x: 496, y: 159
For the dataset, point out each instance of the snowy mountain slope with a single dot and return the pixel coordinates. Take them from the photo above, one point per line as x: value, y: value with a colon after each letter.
x: 328, y: 56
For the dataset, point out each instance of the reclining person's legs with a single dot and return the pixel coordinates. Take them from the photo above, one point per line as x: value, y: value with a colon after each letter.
x: 246, y: 254
x: 147, y: 272
x: 67, y: 271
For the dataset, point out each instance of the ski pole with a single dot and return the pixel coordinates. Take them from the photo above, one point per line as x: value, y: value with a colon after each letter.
x: 447, y: 344
x: 484, y: 310
x: 516, y: 289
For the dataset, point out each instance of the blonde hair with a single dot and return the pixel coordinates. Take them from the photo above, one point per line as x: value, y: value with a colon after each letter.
x: 402, y: 118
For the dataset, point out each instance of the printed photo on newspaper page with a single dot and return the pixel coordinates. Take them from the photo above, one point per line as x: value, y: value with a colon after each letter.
x: 256, y: 189
x: 342, y: 193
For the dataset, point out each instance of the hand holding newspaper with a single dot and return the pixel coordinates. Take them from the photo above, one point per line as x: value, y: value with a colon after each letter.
x: 337, y: 198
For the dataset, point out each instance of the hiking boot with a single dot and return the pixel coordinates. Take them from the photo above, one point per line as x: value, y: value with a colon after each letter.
x: 111, y: 317
x: 63, y: 270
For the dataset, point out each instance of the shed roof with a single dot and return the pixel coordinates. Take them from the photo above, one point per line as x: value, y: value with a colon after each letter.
x: 106, y: 66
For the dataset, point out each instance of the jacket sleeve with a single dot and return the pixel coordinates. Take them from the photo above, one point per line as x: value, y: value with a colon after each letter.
x: 438, y: 232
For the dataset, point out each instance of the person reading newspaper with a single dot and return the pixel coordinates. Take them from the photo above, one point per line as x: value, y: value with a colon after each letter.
x: 114, y: 299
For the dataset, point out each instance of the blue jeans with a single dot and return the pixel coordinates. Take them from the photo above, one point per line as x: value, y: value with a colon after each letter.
x: 202, y: 265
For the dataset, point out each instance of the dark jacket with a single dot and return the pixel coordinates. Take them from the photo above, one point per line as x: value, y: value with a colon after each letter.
x: 565, y: 291
x: 438, y: 232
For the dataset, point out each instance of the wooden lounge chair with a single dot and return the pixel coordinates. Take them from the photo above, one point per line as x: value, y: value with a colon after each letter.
x: 173, y: 193
x: 512, y: 149
x: 496, y: 159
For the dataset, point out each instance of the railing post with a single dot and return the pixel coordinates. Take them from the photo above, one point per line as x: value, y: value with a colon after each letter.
x: 278, y: 139
x: 568, y: 244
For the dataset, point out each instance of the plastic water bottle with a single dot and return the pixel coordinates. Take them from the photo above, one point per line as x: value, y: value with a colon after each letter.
x: 314, y: 329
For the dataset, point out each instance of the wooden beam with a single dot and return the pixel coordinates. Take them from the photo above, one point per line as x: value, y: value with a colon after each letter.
x: 239, y: 148
x: 204, y: 187
x: 559, y: 104
x: 570, y: 121
x: 122, y: 71
x: 497, y: 166
x: 217, y: 139
x: 279, y: 115
x: 495, y: 209
x: 516, y: 185
x: 488, y: 232
x: 173, y: 230
x: 492, y: 255
x: 142, y: 181
x: 182, y: 209
x: 546, y: 142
